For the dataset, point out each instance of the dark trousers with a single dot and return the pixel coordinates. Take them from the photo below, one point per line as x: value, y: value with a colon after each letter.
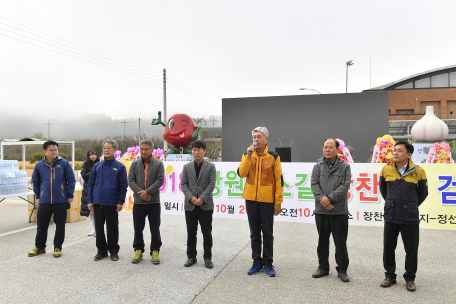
x: 205, y: 220
x: 261, y: 220
x: 410, y: 237
x: 152, y: 211
x: 338, y: 226
x: 109, y: 215
x: 43, y: 219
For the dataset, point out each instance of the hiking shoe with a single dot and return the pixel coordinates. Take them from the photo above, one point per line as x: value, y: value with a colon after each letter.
x: 114, y: 257
x: 270, y: 270
x: 138, y: 256
x: 255, y: 268
x: 92, y: 233
x: 57, y: 252
x: 155, y: 257
x: 100, y: 256
x: 36, y: 252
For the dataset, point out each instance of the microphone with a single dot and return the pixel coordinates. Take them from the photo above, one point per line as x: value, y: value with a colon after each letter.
x: 250, y: 152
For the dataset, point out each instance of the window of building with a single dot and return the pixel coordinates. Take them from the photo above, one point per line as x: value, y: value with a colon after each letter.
x: 423, y: 83
x: 439, y: 81
x: 453, y: 79
x: 405, y: 86
x: 451, y: 113
x: 405, y: 111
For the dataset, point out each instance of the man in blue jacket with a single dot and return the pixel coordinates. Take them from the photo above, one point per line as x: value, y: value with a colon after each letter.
x: 53, y: 184
x: 107, y: 188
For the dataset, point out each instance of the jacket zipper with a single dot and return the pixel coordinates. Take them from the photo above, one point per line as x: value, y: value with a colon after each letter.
x: 41, y: 190
x: 258, y: 177
x: 51, y: 185
x: 50, y: 167
x: 62, y: 190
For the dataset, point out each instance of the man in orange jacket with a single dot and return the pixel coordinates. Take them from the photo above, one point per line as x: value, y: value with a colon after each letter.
x: 263, y: 197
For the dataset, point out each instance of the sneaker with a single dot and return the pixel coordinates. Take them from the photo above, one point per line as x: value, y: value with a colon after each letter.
x: 36, y: 252
x: 255, y: 268
x: 138, y: 256
x: 100, y: 256
x: 57, y: 252
x: 114, y: 257
x: 92, y: 233
x: 270, y: 270
x: 155, y: 257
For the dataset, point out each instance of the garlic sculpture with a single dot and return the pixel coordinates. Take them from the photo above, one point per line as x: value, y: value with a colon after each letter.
x: 430, y: 128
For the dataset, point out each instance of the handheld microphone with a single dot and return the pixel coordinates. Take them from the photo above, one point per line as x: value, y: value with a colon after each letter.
x: 250, y: 152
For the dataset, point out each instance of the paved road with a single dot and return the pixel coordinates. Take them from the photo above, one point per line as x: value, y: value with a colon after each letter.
x: 75, y: 277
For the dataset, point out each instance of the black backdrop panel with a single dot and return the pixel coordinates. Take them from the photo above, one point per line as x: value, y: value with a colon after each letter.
x: 304, y: 122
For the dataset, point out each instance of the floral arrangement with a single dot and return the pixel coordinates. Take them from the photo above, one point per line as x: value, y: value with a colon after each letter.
x: 344, y: 153
x: 440, y: 154
x: 116, y: 155
x: 131, y: 154
x: 383, y: 150
x: 158, y: 154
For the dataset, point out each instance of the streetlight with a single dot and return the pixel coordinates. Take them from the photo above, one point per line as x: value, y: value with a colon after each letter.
x: 310, y: 90
x: 348, y: 63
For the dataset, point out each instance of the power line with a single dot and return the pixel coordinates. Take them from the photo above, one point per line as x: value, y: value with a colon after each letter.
x: 81, y: 45
x: 75, y: 48
x: 80, y: 58
x: 188, y: 89
x: 193, y: 95
x: 212, y: 107
x: 178, y: 85
x: 76, y: 53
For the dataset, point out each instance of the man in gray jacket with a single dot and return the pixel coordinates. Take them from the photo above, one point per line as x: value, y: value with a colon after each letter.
x: 145, y: 179
x: 330, y: 183
x: 198, y: 183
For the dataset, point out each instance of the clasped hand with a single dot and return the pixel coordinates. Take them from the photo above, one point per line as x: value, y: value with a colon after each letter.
x: 144, y: 195
x: 196, y: 201
x: 324, y: 201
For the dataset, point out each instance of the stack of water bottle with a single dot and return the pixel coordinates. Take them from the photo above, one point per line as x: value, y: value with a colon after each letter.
x: 12, y: 181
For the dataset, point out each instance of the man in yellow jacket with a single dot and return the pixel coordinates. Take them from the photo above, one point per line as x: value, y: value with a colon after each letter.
x: 263, y: 197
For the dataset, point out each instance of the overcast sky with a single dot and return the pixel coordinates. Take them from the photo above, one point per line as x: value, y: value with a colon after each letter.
x: 211, y: 50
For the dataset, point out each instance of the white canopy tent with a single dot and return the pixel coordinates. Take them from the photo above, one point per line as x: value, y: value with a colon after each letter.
x: 33, y: 142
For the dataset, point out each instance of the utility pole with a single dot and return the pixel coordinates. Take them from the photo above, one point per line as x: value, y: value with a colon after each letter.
x: 213, y: 120
x: 348, y: 63
x: 139, y: 132
x: 49, y: 126
x: 165, y: 117
x: 124, y: 122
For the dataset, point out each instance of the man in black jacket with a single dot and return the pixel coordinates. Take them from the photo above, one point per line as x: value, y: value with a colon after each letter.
x: 145, y: 178
x: 404, y: 188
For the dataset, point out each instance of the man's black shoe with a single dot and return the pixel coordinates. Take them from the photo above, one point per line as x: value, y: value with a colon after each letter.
x: 190, y: 262
x: 114, y: 257
x: 344, y: 277
x: 320, y: 273
x: 208, y: 263
x: 100, y: 256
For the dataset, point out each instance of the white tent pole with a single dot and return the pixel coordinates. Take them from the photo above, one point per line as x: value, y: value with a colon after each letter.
x: 23, y: 157
x: 72, y: 156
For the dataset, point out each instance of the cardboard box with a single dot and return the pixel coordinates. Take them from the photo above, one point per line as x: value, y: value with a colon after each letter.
x: 72, y: 213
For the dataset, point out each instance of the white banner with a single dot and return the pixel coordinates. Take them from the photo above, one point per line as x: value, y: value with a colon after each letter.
x: 365, y: 202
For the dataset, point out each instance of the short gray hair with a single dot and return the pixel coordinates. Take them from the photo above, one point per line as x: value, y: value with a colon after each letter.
x: 112, y: 142
x: 261, y: 129
x: 146, y: 142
